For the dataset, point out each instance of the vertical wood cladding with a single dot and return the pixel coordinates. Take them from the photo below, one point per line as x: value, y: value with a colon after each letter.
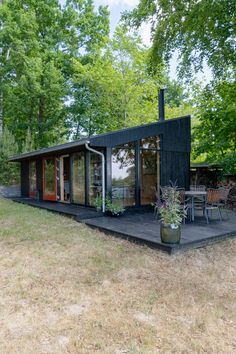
x: 25, y: 179
x: 175, y: 168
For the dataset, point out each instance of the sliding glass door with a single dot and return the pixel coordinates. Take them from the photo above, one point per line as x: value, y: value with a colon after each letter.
x: 123, y: 174
x: 149, y: 170
x: 95, y: 177
x: 78, y: 178
x: 49, y: 179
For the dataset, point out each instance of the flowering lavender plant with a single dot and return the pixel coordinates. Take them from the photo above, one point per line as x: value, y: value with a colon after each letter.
x: 170, y: 208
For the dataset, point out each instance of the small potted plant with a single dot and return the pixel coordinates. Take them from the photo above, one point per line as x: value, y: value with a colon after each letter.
x: 171, y: 215
x: 115, y: 208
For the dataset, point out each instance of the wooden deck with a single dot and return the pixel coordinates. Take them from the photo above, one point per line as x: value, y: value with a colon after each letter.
x: 142, y: 226
x: 78, y: 212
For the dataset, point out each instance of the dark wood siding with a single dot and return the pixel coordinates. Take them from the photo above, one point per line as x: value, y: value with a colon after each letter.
x: 175, y: 133
x: 175, y: 168
x: 25, y: 179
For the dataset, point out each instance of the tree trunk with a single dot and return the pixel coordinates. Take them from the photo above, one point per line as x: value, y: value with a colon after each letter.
x: 40, y: 121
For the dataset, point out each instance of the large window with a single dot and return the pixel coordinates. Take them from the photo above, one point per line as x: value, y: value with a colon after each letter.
x: 150, y: 167
x: 123, y: 174
x: 78, y: 181
x: 95, y: 177
x: 32, y: 179
x: 49, y: 179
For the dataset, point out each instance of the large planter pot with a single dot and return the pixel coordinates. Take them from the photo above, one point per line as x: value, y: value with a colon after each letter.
x: 170, y: 233
x: 116, y: 215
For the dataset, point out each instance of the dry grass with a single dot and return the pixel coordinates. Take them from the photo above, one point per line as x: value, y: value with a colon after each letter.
x: 68, y: 289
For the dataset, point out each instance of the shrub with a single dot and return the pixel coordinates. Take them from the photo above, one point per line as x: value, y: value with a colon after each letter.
x: 9, y: 172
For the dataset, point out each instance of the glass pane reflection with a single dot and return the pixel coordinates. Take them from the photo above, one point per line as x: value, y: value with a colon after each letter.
x: 152, y: 142
x: 78, y: 186
x: 149, y: 176
x: 32, y: 178
x: 95, y: 177
x: 123, y: 175
x: 49, y: 178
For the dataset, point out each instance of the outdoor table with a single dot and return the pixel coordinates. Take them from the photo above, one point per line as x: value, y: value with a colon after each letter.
x: 192, y: 195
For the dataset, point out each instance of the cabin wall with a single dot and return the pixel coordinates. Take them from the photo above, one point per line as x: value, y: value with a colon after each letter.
x: 25, y: 179
x: 175, y: 134
x: 175, y: 168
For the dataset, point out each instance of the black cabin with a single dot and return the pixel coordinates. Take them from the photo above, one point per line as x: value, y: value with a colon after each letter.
x: 137, y: 161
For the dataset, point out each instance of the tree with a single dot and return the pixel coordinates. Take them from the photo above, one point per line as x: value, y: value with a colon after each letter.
x: 201, y: 30
x: 39, y: 40
x: 177, y: 101
x: 29, y: 143
x: 215, y: 136
x: 9, y: 173
x: 115, y: 90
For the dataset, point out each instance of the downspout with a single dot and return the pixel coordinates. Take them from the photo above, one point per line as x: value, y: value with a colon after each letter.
x: 103, y: 173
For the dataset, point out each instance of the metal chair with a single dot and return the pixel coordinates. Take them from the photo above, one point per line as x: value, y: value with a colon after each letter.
x: 212, y: 203
x: 224, y: 193
x: 199, y: 200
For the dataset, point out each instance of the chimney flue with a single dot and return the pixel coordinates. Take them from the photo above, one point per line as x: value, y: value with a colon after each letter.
x: 161, y: 102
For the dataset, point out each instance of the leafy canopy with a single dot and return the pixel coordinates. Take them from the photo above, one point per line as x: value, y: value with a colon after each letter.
x: 39, y: 40
x: 199, y: 29
x: 216, y: 133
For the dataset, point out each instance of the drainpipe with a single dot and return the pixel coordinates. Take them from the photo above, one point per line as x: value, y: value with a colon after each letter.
x: 103, y: 173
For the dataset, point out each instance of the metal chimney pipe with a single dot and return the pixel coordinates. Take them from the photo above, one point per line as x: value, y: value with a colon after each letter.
x: 161, y: 102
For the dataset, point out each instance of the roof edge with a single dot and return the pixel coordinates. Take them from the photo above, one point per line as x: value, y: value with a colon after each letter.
x: 71, y: 145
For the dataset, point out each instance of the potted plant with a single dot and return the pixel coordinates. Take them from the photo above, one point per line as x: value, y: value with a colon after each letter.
x: 115, y: 208
x: 171, y: 215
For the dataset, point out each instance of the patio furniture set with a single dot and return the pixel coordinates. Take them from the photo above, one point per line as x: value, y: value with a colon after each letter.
x: 200, y: 198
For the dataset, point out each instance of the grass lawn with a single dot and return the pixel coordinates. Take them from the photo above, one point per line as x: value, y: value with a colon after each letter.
x: 65, y: 288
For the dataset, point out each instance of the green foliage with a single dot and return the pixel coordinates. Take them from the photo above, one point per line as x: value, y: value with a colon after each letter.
x: 29, y: 143
x: 115, y: 90
x: 115, y: 207
x: 215, y: 136
x: 9, y: 172
x: 202, y: 32
x: 177, y: 102
x: 39, y: 40
x: 170, y: 208
x: 98, y: 203
x: 199, y: 29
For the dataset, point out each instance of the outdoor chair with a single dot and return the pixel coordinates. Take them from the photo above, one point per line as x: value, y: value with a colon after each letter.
x: 212, y: 203
x: 224, y: 193
x: 199, y: 201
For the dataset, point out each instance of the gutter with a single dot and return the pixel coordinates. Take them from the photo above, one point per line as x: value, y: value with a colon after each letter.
x: 103, y: 173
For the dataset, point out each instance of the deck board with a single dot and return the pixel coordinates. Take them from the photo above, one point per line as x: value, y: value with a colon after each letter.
x: 143, y: 227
